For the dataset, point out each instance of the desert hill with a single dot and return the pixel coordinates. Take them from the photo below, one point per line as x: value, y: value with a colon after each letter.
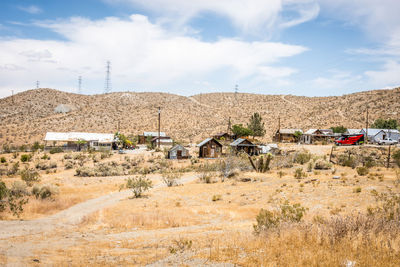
x: 25, y: 117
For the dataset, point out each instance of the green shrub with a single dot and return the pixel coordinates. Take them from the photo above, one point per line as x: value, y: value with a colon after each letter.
x: 298, y: 173
x: 321, y: 164
x: 302, y: 158
x: 29, y: 176
x: 45, y: 191
x: 357, y: 190
x: 26, y: 157
x: 348, y: 161
x: 19, y: 189
x: 271, y: 219
x: 396, y: 157
x: 362, y: 171
x: 45, y: 156
x: 3, y: 160
x: 55, y: 150
x: 13, y: 202
x: 139, y: 185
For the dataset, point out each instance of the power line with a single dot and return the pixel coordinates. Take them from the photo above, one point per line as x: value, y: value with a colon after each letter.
x: 107, y: 84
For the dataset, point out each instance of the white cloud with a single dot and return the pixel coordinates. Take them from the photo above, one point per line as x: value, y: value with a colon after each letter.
x: 251, y: 16
x: 30, y: 9
x: 143, y: 55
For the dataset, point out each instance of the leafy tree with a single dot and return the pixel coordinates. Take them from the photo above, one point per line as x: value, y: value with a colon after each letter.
x: 385, y: 124
x: 240, y: 131
x: 80, y: 143
x: 297, y: 135
x: 256, y: 125
x: 138, y: 185
x: 339, y: 129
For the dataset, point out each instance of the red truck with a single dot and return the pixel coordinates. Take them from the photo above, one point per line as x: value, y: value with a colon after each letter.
x: 354, y: 139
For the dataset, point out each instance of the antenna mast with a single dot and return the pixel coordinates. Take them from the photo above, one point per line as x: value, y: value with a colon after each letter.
x: 107, y: 84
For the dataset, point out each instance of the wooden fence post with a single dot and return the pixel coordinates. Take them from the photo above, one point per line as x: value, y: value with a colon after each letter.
x: 388, y: 158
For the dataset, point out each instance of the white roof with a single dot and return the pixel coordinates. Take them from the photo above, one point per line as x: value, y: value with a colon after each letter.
x: 154, y: 134
x: 311, y: 131
x: 373, y: 132
x: 353, y: 131
x: 76, y: 136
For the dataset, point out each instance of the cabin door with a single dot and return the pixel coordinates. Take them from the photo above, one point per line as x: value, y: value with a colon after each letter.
x: 179, y: 154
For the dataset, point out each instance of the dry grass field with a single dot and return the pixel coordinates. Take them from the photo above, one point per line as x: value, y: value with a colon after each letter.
x: 27, y: 116
x: 311, y: 220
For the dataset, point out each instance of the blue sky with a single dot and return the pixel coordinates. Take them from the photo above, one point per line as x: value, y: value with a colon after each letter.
x: 300, y: 47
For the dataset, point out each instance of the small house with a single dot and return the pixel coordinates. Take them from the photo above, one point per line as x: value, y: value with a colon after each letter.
x: 374, y: 135
x: 178, y: 152
x: 244, y: 145
x: 286, y: 135
x: 318, y: 135
x: 210, y: 148
x: 147, y: 136
x: 79, y: 140
x: 164, y: 141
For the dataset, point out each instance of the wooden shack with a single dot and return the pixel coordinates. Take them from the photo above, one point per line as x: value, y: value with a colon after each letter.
x: 319, y: 136
x: 178, y: 152
x: 244, y: 145
x: 210, y: 148
x: 286, y: 135
x: 147, y: 136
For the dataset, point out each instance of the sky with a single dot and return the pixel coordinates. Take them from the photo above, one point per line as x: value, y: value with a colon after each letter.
x: 187, y: 47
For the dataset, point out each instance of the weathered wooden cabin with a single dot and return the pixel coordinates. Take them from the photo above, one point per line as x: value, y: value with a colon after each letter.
x: 178, y: 152
x: 286, y: 135
x: 147, y: 136
x: 210, y: 148
x: 244, y: 145
x: 319, y: 136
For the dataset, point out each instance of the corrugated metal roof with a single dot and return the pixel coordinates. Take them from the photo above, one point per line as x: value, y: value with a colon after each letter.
x: 177, y: 147
x: 353, y: 131
x: 311, y: 131
x: 76, y: 136
x: 290, y: 131
x: 208, y: 140
x: 237, y: 142
x: 154, y: 134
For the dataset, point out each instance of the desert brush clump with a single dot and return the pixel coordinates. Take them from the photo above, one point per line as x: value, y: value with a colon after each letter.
x: 101, y: 169
x: 30, y: 176
x: 267, y: 219
x: 299, y: 173
x: 12, y: 200
x: 171, y: 178
x: 139, y: 185
x: 44, y: 191
x: 321, y: 164
x: 362, y: 171
x: 302, y: 158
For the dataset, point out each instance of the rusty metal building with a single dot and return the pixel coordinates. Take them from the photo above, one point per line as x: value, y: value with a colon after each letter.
x: 210, y: 148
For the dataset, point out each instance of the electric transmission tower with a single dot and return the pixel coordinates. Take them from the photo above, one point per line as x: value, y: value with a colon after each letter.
x: 37, y: 84
x: 107, y: 84
x: 79, y: 84
x: 236, y: 91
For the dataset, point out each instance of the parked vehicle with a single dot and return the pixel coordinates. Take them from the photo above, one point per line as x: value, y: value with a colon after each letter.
x: 354, y: 139
x: 387, y: 142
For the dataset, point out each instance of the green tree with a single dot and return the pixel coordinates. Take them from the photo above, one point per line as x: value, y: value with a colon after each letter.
x: 239, y: 130
x: 256, y: 125
x: 339, y: 129
x: 297, y: 135
x: 385, y: 124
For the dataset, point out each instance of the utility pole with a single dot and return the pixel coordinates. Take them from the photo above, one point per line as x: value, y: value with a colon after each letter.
x: 79, y: 84
x: 37, y: 84
x: 12, y: 96
x: 159, y: 125
x: 107, y: 84
x: 279, y: 129
x: 366, y: 128
x: 229, y: 126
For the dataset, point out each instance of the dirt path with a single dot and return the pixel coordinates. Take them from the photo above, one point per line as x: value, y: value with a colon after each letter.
x: 65, y: 221
x: 290, y: 102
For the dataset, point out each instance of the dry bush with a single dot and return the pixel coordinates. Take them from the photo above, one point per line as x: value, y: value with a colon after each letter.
x: 321, y: 164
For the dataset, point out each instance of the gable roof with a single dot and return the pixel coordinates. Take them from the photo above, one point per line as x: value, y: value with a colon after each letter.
x: 373, y: 132
x: 205, y: 141
x: 175, y: 147
x: 289, y: 131
x: 353, y: 131
x: 311, y: 131
x: 239, y: 141
x: 76, y: 136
